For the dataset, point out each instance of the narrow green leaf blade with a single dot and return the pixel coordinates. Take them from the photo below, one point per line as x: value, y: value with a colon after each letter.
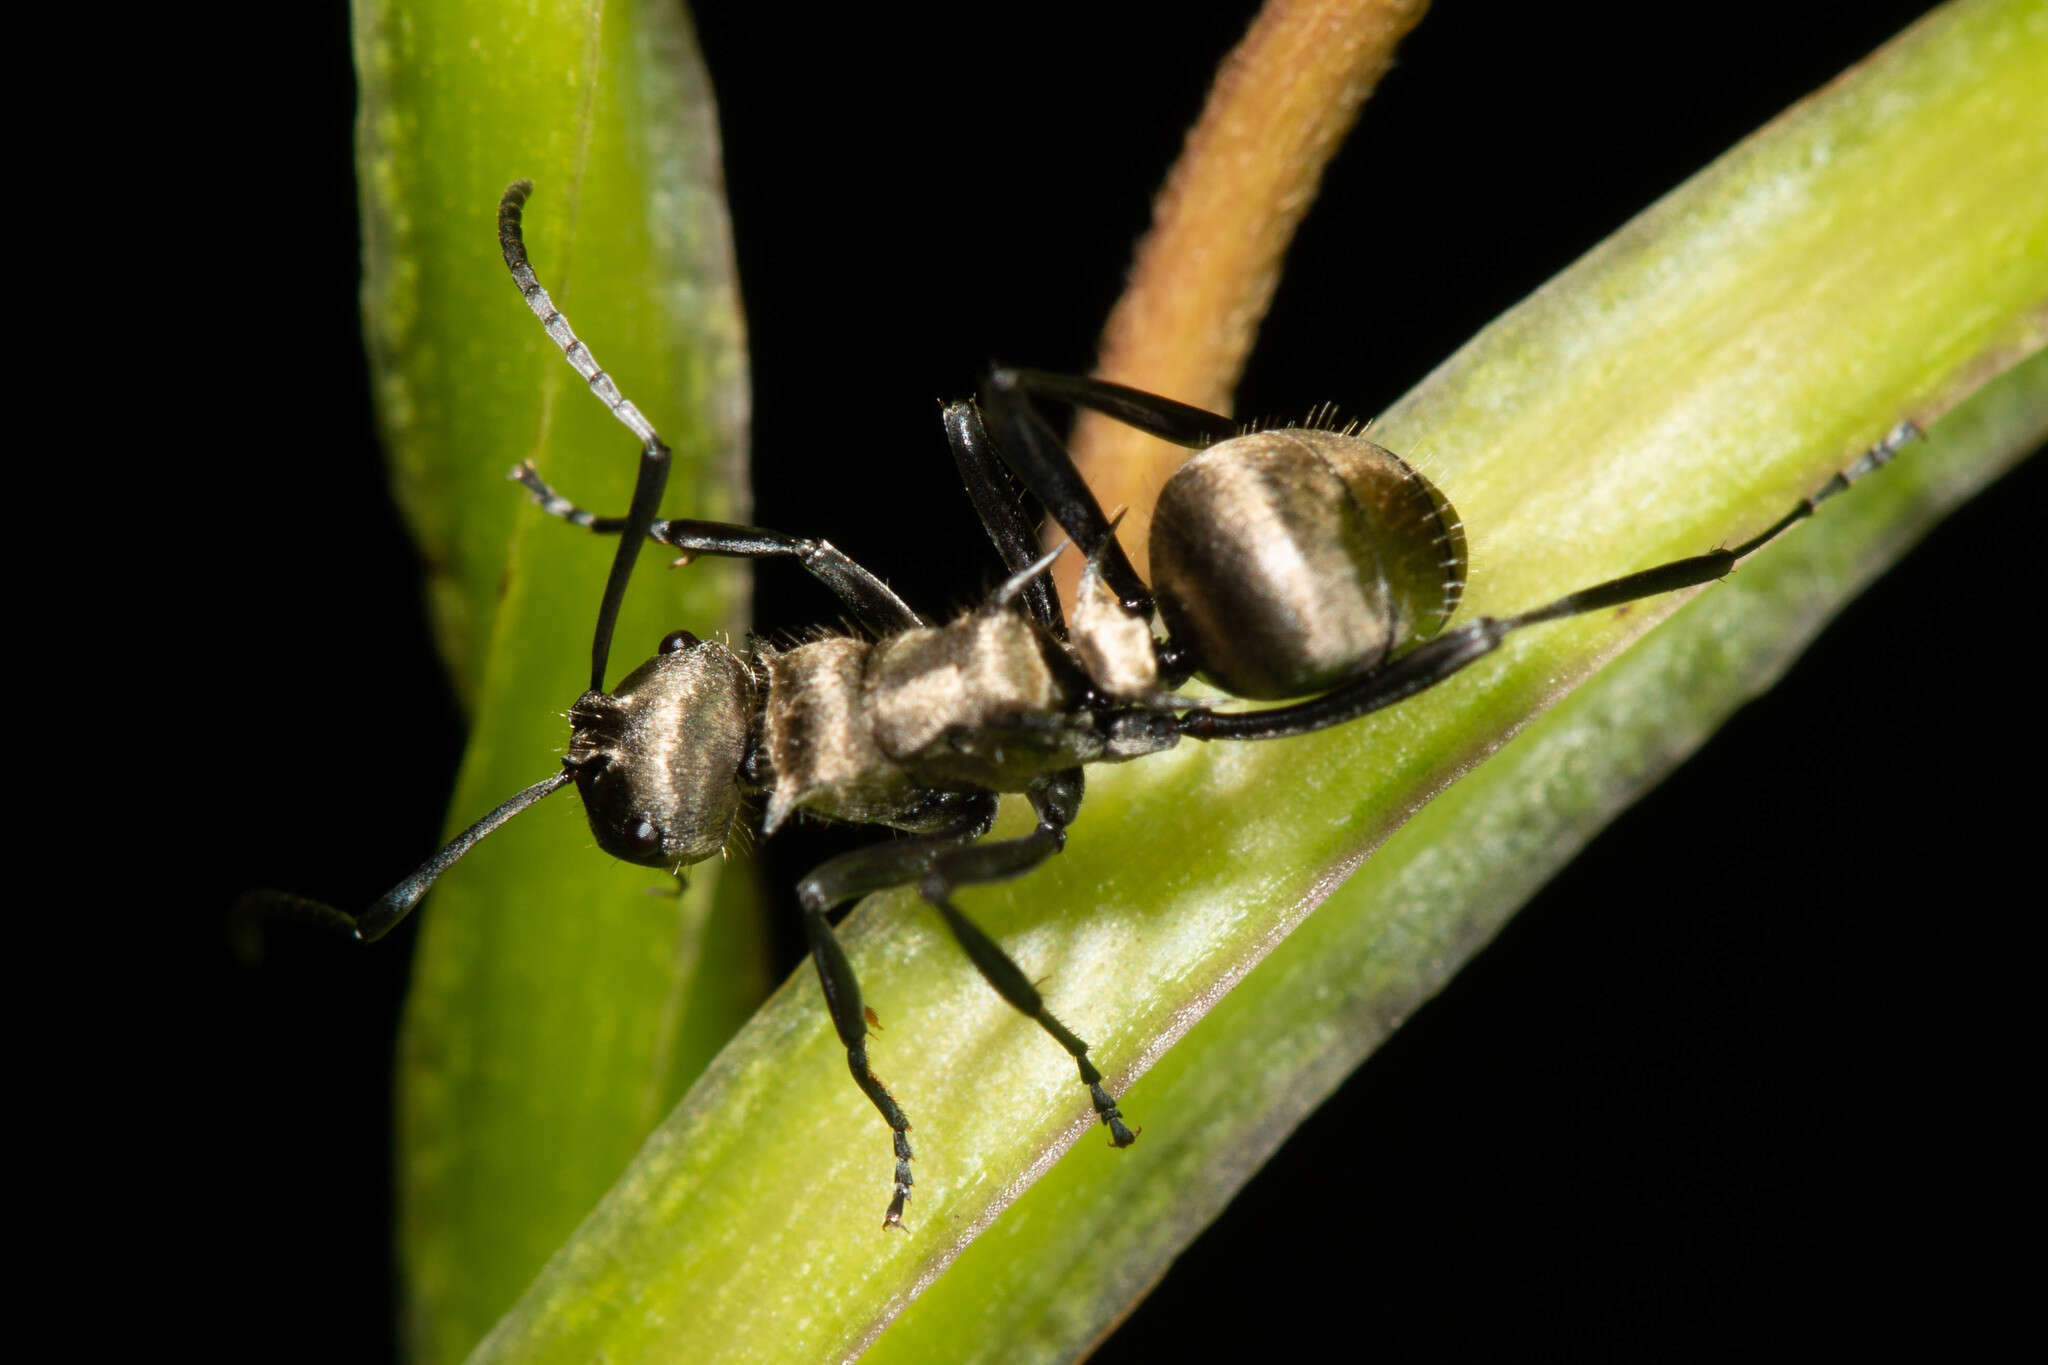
x: 560, y: 1005
x: 1068, y: 1260
x: 1678, y: 388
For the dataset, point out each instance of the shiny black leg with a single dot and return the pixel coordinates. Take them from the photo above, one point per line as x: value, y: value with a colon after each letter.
x: 864, y: 595
x: 1431, y: 663
x: 1056, y: 799
x: 1179, y: 423
x: 1030, y: 446
x: 840, y: 880
x: 996, y: 502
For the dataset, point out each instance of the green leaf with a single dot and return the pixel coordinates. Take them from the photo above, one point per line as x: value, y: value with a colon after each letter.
x: 1070, y: 1257
x: 558, y: 1008
x: 1678, y: 388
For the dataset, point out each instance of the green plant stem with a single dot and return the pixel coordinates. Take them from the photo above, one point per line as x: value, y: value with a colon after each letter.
x: 557, y: 1008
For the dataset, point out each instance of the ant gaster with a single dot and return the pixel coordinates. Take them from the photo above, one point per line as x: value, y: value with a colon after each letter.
x: 1300, y: 565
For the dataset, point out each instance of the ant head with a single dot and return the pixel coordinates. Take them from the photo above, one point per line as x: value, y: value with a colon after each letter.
x: 658, y: 761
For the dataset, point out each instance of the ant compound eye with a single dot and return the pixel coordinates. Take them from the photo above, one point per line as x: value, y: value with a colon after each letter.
x: 643, y: 837
x: 675, y: 640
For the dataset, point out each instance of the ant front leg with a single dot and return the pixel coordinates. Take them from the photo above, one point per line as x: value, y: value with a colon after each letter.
x: 864, y: 595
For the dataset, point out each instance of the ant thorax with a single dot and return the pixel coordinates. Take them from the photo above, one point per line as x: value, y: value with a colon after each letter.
x: 864, y: 732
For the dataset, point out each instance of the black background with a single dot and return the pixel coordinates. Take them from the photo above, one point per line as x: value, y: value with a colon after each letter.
x: 1684, y: 1107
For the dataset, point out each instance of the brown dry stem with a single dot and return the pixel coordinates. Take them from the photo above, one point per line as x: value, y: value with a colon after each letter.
x: 1205, y: 273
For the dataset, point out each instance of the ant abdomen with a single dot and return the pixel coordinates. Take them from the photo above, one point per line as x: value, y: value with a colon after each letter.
x: 1294, y: 559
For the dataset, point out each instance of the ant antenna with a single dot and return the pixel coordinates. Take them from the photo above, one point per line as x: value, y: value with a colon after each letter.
x: 654, y: 456
x: 394, y: 905
x: 399, y: 901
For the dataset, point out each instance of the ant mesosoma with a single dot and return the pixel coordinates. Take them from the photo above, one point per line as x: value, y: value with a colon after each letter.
x: 1300, y: 565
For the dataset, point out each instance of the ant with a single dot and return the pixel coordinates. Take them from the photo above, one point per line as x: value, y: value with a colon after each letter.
x: 1301, y: 565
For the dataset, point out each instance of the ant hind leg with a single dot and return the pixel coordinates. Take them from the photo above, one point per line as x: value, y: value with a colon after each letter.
x: 1436, y: 660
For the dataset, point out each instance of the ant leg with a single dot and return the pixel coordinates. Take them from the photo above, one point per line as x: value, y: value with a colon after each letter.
x: 1056, y: 798
x: 995, y: 502
x: 1115, y: 647
x: 1032, y: 448
x: 839, y: 880
x: 1182, y: 424
x: 1029, y: 445
x: 863, y: 594
x: 1433, y: 662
